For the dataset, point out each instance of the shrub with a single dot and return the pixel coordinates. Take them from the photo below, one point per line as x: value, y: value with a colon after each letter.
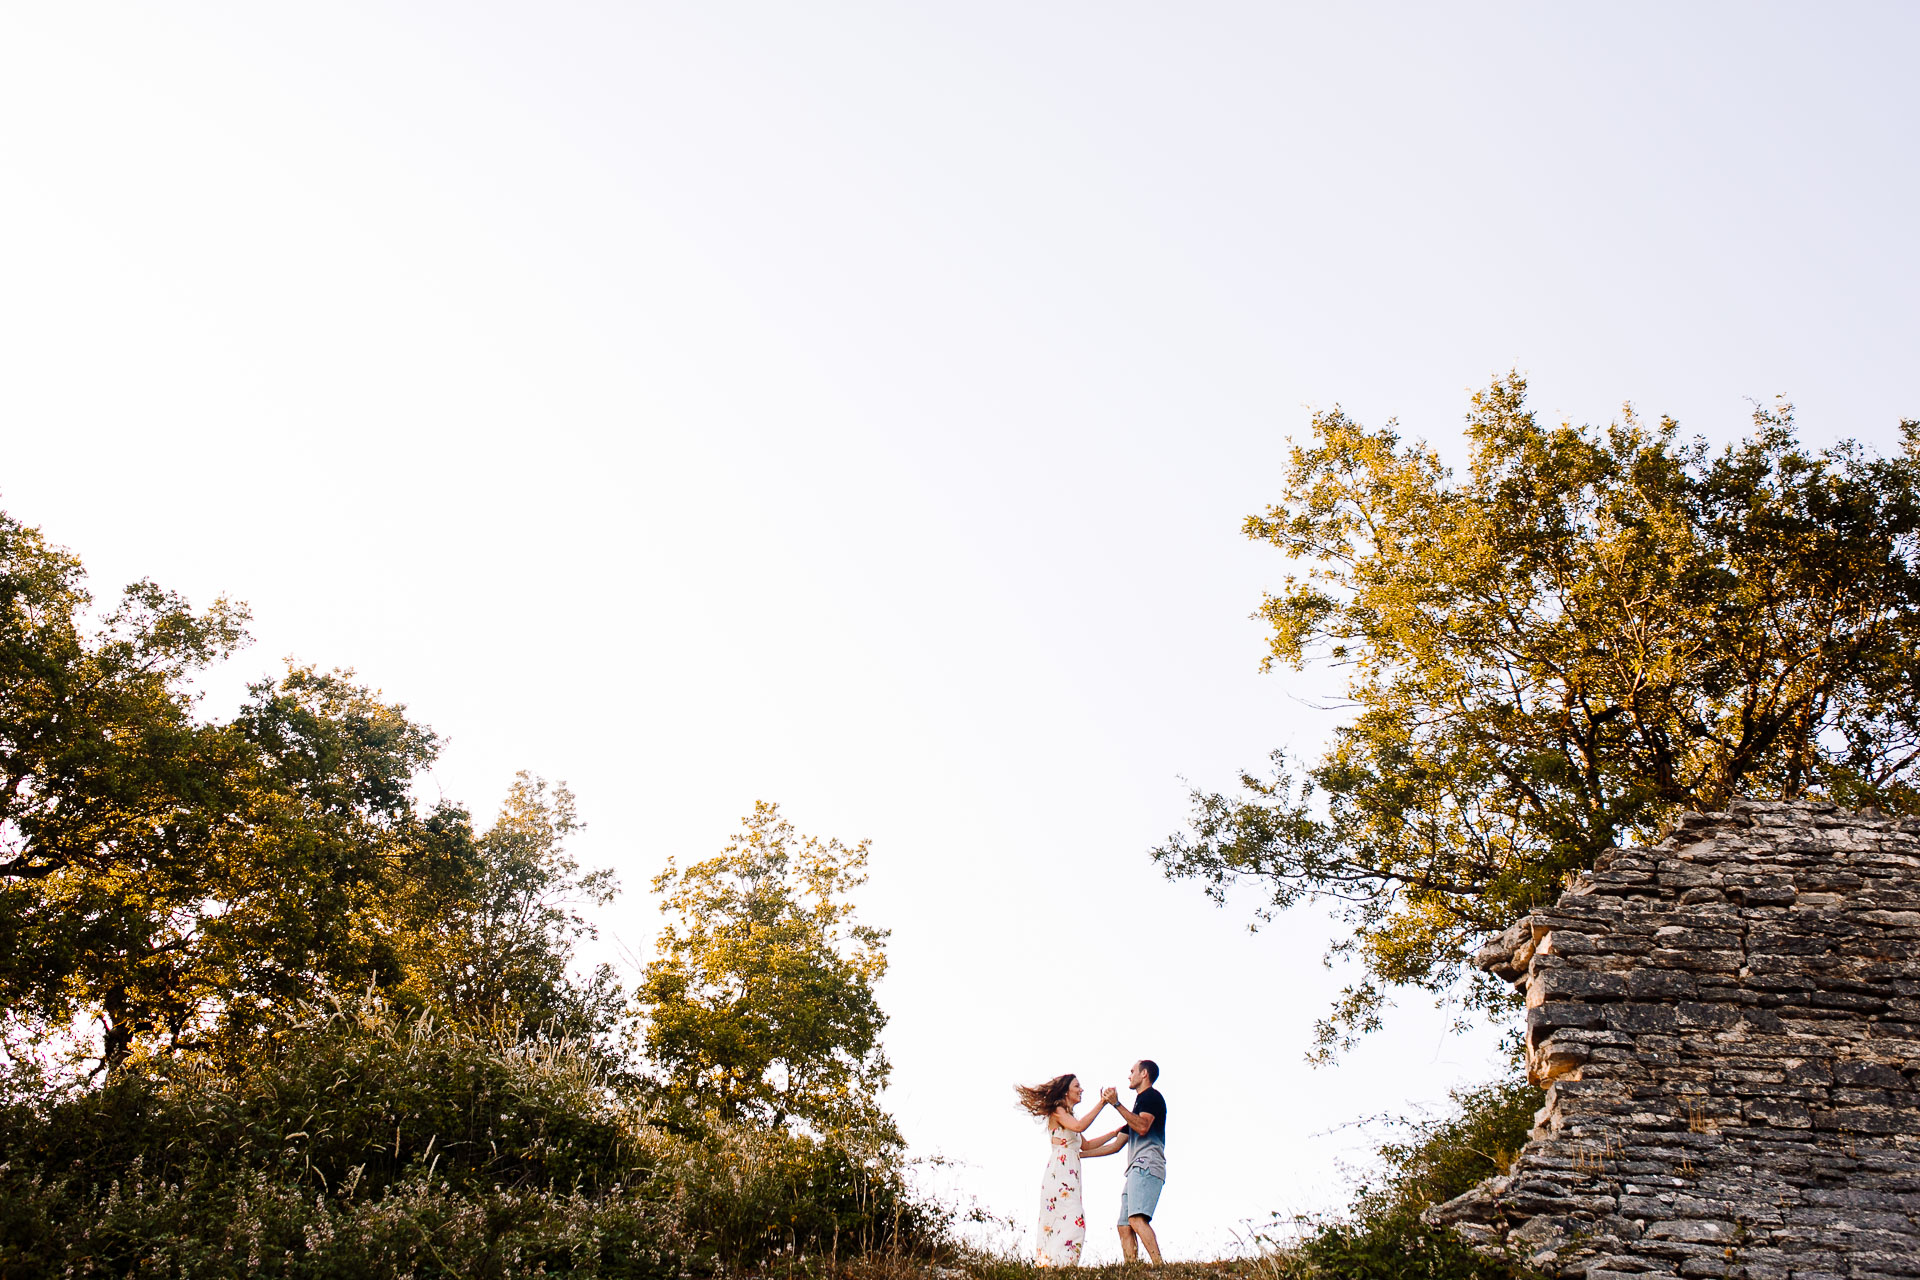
x: 366, y: 1143
x: 1382, y: 1238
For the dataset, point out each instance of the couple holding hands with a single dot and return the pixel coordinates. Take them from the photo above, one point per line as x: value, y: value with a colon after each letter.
x: 1142, y: 1132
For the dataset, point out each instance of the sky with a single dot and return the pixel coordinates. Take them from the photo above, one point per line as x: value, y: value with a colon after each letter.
x: 855, y: 406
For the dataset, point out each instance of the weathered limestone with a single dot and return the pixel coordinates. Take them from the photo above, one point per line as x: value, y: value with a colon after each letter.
x: 1728, y: 1024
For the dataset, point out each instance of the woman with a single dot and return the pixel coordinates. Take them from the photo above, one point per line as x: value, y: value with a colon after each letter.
x: 1063, y: 1220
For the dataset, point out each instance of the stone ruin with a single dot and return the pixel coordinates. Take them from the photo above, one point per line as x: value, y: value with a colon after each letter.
x: 1728, y: 1027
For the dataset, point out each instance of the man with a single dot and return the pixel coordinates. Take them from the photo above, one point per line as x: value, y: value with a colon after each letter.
x: 1146, y: 1128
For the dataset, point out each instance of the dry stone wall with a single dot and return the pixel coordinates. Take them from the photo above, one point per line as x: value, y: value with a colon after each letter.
x: 1728, y: 1026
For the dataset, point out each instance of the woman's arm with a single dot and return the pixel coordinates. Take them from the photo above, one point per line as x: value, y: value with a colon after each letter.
x: 1063, y: 1116
x: 1105, y: 1145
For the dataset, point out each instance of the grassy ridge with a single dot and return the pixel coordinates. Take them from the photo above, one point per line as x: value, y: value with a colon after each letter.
x: 371, y: 1143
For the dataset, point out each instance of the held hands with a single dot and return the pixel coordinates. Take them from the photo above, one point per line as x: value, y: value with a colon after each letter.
x: 1110, y: 1095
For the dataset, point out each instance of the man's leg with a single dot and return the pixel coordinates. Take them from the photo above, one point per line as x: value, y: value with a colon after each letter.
x: 1128, y: 1245
x: 1143, y: 1228
x: 1141, y: 1198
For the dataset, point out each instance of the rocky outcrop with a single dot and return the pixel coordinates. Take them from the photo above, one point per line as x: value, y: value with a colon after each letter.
x: 1728, y: 1026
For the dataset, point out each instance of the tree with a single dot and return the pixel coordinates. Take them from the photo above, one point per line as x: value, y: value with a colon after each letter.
x: 762, y: 996
x: 185, y: 882
x: 326, y: 867
x: 1590, y: 631
x: 498, y: 944
x: 103, y: 774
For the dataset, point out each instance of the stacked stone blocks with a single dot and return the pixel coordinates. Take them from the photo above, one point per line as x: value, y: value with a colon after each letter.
x: 1728, y: 1027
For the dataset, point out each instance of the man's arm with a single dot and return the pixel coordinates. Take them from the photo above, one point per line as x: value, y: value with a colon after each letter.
x: 1111, y: 1096
x: 1105, y: 1145
x: 1138, y: 1123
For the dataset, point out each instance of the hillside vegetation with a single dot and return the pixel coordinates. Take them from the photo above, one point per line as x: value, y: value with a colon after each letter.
x: 267, y: 1014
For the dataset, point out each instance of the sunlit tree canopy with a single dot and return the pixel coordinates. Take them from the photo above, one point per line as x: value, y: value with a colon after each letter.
x: 761, y: 1001
x: 1589, y: 631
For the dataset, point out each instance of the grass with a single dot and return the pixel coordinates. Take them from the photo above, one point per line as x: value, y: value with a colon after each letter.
x: 1277, y: 1267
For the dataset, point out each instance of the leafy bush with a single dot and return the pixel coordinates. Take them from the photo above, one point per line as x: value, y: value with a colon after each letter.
x: 369, y: 1143
x: 253, y: 1223
x: 1383, y: 1238
x: 359, y: 1094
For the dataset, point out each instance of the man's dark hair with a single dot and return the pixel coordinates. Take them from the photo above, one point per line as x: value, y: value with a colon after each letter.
x: 1152, y: 1069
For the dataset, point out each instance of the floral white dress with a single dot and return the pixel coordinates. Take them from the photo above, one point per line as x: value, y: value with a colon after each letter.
x: 1063, y: 1218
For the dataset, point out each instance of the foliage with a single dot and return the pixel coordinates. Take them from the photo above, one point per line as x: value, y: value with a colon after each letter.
x: 187, y: 883
x: 100, y: 770
x: 360, y: 1092
x: 761, y: 1000
x: 1395, y: 1245
x: 1446, y: 1156
x: 363, y: 1140
x: 169, y: 877
x: 319, y: 872
x: 497, y: 946
x: 372, y: 1142
x: 1382, y: 1237
x: 342, y: 1034
x: 1590, y: 631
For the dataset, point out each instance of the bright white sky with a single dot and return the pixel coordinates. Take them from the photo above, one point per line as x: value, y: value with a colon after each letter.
x: 855, y: 406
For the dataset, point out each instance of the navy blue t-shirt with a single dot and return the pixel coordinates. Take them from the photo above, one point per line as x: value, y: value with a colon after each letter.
x: 1148, y: 1151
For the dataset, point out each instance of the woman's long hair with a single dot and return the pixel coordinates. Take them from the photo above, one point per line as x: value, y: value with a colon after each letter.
x: 1045, y: 1099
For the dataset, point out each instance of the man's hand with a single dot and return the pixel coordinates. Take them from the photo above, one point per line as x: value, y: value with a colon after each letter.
x: 1110, y: 1094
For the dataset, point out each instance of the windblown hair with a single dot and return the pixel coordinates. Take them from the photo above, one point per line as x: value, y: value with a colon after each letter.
x: 1045, y: 1099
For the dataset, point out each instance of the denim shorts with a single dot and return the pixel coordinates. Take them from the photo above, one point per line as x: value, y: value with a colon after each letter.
x: 1141, y: 1196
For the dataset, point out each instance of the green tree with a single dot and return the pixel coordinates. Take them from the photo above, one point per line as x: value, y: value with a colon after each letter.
x: 498, y: 944
x: 761, y: 999
x: 1590, y: 631
x: 102, y: 776
x: 180, y: 881
x: 326, y: 867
